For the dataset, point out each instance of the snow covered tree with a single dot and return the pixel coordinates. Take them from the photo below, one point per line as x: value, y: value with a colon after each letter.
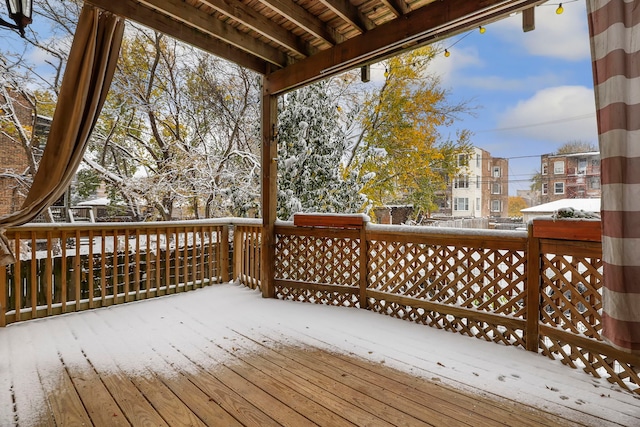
x: 311, y: 147
x: 178, y: 130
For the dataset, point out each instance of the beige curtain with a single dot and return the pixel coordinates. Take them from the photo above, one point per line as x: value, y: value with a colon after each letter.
x: 92, y: 62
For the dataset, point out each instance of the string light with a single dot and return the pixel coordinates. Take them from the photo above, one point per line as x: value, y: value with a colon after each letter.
x: 447, y: 53
x: 386, y: 72
x: 560, y: 5
x: 482, y: 29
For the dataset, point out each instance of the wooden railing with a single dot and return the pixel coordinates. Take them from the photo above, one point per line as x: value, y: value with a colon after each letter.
x: 246, y: 252
x: 569, y: 270
x: 72, y: 267
x: 540, y: 291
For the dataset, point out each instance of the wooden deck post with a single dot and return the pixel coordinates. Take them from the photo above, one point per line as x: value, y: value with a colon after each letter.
x: 269, y: 189
x: 224, y: 254
x: 532, y: 291
x: 364, y: 259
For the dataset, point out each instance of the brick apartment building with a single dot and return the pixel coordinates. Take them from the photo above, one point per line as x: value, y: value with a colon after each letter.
x: 570, y: 176
x: 13, y: 158
x: 481, y: 190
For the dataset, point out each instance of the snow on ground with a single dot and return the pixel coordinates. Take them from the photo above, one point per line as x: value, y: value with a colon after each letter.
x: 160, y: 326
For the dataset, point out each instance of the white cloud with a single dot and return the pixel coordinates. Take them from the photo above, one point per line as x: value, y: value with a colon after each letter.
x: 448, y: 68
x: 560, y: 114
x: 499, y: 83
x: 557, y: 36
x: 42, y: 57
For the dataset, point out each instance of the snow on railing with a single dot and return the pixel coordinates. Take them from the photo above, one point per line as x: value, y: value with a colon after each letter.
x: 73, y: 267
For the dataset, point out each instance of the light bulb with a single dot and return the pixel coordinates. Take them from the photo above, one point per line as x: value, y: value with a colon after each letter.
x: 447, y: 53
x: 386, y: 72
x: 560, y: 9
x: 482, y: 29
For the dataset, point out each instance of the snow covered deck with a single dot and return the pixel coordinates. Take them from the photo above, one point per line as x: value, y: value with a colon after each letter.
x: 223, y: 355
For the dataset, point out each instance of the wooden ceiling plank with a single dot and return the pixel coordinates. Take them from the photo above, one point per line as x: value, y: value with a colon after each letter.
x: 349, y: 13
x: 181, y: 11
x: 427, y: 24
x: 133, y: 11
x: 305, y: 20
x: 260, y: 24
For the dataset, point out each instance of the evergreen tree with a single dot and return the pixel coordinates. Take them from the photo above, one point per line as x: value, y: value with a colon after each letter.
x: 311, y: 147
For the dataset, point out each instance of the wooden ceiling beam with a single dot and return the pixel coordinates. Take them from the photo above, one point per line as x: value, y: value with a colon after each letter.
x: 260, y: 24
x: 427, y: 24
x: 191, y: 16
x: 397, y: 7
x: 349, y: 13
x: 304, y: 19
x: 133, y: 11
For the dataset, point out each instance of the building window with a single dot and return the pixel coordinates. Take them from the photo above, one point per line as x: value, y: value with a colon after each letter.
x: 478, y: 203
x: 461, y: 204
x: 545, y: 188
x: 582, y: 166
x: 558, y: 168
x: 594, y: 183
x: 477, y: 181
x: 495, y: 188
x: 545, y: 169
x: 463, y: 160
x: 478, y: 160
x: 462, y: 181
x: 558, y: 188
x: 496, y: 206
x: 496, y: 171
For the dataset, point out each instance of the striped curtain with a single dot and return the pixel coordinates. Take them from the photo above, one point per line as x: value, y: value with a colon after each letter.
x: 614, y: 27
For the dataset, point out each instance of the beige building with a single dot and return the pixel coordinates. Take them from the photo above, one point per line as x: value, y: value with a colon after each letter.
x: 570, y: 176
x: 481, y: 189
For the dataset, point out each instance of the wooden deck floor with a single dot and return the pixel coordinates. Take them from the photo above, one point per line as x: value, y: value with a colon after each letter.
x: 75, y: 372
x: 286, y: 386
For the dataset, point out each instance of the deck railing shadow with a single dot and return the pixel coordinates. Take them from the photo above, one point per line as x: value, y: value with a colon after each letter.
x: 538, y: 289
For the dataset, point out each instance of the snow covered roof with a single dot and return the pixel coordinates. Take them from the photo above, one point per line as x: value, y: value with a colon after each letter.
x: 586, y: 153
x: 100, y: 201
x: 587, y: 205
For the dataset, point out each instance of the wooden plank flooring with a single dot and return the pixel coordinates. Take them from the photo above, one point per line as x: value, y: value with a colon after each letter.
x: 280, y: 386
x: 84, y: 369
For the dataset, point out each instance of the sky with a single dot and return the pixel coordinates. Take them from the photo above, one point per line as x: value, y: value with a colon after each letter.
x: 534, y: 89
x: 135, y: 339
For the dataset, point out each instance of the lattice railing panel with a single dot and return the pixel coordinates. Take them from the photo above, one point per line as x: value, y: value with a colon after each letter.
x: 317, y: 297
x: 571, y: 304
x: 317, y: 259
x: 626, y: 375
x: 490, y: 280
x: 571, y: 296
x: 473, y: 328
